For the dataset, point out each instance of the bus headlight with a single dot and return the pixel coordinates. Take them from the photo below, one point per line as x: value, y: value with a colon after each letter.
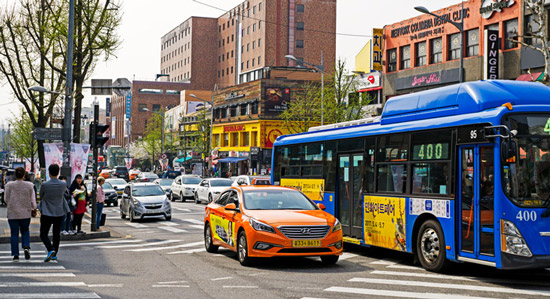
x: 511, y: 240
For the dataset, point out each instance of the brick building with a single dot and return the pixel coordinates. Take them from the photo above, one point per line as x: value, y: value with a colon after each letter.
x: 424, y: 52
x: 235, y: 47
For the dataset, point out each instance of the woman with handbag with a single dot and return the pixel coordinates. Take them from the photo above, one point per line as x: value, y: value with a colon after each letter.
x: 78, y: 192
x: 21, y: 201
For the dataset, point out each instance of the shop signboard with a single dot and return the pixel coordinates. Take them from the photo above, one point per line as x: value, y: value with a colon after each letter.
x: 276, y: 100
x: 488, y: 7
x: 370, y: 80
x: 490, y: 59
x: 427, y: 79
x: 108, y: 107
x: 129, y: 105
x: 378, y: 41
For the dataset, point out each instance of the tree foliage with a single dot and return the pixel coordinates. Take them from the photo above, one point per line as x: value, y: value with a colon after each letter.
x: 152, y: 142
x: 338, y: 106
x: 21, y: 139
x: 201, y: 143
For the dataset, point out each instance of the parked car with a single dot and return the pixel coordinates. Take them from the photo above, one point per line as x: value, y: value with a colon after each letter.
x: 111, y: 197
x: 171, y: 174
x: 268, y: 221
x: 121, y: 172
x: 118, y: 185
x: 165, y: 184
x: 143, y: 200
x: 210, y: 188
x: 244, y: 180
x: 133, y: 173
x: 146, y: 177
x: 184, y: 187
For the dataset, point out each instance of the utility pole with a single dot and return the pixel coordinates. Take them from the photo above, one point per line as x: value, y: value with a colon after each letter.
x: 66, y: 168
x: 93, y: 138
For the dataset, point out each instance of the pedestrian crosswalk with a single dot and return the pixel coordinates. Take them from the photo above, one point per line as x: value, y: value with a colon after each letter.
x: 140, y: 245
x: 177, y: 225
x: 390, y: 279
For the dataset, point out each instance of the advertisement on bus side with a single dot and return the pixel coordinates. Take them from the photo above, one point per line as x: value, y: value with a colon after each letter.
x: 222, y: 229
x: 385, y: 222
x: 312, y: 188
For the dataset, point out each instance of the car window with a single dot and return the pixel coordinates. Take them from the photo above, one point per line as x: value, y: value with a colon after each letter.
x: 127, y: 190
x: 277, y: 200
x: 221, y: 183
x: 165, y: 182
x: 232, y: 198
x: 107, y: 186
x: 222, y: 199
x: 152, y: 190
x: 191, y: 180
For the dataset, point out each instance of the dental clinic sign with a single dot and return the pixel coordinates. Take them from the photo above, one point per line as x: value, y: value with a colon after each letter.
x: 489, y: 6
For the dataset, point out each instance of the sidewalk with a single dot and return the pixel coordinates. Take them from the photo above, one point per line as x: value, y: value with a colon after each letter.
x: 35, y: 229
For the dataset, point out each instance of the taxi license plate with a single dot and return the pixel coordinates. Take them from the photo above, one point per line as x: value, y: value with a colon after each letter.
x: 306, y: 243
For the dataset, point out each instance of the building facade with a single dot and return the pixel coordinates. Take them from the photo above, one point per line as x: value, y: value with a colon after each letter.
x: 424, y: 52
x: 235, y: 47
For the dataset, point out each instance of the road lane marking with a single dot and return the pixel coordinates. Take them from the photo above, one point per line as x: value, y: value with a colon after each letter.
x: 221, y: 278
x: 106, y: 285
x: 173, y: 229
x: 49, y: 295
x: 22, y: 262
x: 199, y: 226
x: 399, y: 294
x: 189, y: 251
x: 170, y: 286
x: 171, y: 282
x: 449, y: 286
x: 43, y: 274
x: 194, y: 221
x: 32, y: 251
x: 138, y: 245
x: 169, y: 223
x: 32, y: 267
x: 101, y: 242
x: 181, y: 209
x: 41, y: 284
x: 240, y: 287
x: 33, y: 255
x: 136, y: 225
x: 166, y: 247
x: 405, y: 267
x: 347, y: 255
x: 382, y: 262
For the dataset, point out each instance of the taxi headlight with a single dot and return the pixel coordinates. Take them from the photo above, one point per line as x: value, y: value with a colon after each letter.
x: 337, y: 226
x: 260, y: 226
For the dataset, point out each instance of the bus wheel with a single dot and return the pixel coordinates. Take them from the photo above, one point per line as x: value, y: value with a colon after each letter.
x: 430, y: 246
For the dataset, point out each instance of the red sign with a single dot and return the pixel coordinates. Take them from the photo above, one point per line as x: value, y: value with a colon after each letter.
x: 235, y: 128
x: 271, y: 137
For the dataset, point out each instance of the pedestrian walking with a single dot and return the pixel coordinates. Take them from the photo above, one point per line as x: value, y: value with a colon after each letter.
x: 100, y: 195
x: 66, y: 224
x: 53, y: 206
x: 21, y: 200
x: 79, y: 192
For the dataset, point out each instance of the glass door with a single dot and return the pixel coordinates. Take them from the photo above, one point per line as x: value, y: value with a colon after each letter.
x: 476, y: 202
x: 350, y: 200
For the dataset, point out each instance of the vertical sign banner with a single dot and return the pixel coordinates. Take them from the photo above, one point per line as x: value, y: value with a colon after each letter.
x: 129, y: 105
x: 378, y: 42
x: 113, y: 127
x: 108, y: 107
x: 79, y: 158
x: 53, y: 153
x: 490, y: 58
x: 128, y: 162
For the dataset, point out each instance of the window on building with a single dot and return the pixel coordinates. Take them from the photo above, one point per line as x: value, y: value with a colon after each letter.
x: 421, y: 52
x: 436, y: 50
x: 300, y: 8
x: 223, y: 42
x: 511, y: 34
x: 242, y: 49
x: 260, y: 6
x: 259, y: 42
x: 299, y: 25
x: 142, y: 107
x: 254, y: 45
x: 392, y: 60
x: 223, y: 26
x: 253, y: 27
x: 454, y: 46
x: 254, y: 9
x: 233, y: 111
x: 227, y: 55
x: 244, y: 109
x: 405, y: 57
x: 472, y: 43
x: 260, y: 25
x: 247, y: 63
x: 248, y: 30
x: 234, y: 139
x: 530, y: 27
x: 247, y: 47
x: 231, y: 53
x: 253, y: 60
x: 223, y: 73
x: 245, y: 139
x: 299, y: 43
x: 259, y: 60
x: 156, y: 107
x: 225, y: 139
x: 254, y: 108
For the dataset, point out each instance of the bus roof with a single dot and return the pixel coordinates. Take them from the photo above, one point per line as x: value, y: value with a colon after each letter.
x: 452, y: 105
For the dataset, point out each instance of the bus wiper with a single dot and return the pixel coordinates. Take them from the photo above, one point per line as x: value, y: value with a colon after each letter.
x: 547, y: 206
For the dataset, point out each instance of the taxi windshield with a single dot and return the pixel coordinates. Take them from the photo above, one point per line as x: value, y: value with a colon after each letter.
x: 527, y: 176
x: 277, y: 200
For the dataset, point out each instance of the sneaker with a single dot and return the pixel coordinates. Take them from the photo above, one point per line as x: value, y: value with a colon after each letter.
x: 50, y: 255
x: 64, y: 233
x: 16, y: 258
x: 81, y: 232
x: 27, y: 254
x: 73, y: 232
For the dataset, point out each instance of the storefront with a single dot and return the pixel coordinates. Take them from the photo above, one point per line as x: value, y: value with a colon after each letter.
x: 424, y: 52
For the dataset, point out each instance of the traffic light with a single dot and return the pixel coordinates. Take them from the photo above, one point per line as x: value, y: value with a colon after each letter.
x: 99, y: 130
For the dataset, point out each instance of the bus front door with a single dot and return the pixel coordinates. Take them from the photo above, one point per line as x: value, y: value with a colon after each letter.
x: 349, y: 201
x: 476, y: 202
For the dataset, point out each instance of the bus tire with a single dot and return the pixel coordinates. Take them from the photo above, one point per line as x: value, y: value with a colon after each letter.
x: 430, y: 247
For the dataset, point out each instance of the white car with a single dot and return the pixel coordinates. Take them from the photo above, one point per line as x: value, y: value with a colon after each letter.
x: 244, y: 180
x: 118, y: 185
x: 209, y: 189
x: 184, y: 186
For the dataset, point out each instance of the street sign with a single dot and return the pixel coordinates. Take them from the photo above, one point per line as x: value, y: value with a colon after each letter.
x: 129, y: 105
x: 48, y: 133
x: 164, y: 156
x: 101, y: 87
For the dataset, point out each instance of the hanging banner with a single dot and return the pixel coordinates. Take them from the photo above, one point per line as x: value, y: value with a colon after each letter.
x: 490, y: 59
x: 129, y: 106
x: 53, y: 153
x: 108, y: 107
x: 377, y: 42
x: 128, y: 162
x: 79, y: 158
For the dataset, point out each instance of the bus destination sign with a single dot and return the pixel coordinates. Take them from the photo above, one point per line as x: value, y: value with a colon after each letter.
x: 471, y: 134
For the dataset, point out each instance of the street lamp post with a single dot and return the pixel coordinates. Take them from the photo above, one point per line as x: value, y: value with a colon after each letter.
x: 460, y: 27
x: 211, y: 102
x: 321, y: 68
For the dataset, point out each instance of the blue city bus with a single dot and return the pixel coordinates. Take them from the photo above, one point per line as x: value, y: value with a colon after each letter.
x: 459, y: 173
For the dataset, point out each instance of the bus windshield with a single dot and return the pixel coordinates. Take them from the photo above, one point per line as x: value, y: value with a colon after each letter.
x: 527, y: 179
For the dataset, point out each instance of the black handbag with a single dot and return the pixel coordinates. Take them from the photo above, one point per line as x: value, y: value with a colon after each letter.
x: 103, y: 218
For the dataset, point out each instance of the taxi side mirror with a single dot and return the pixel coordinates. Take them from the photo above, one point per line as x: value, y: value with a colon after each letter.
x: 231, y: 207
x: 321, y: 206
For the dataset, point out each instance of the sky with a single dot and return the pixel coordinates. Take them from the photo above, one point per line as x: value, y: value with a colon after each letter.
x: 144, y: 22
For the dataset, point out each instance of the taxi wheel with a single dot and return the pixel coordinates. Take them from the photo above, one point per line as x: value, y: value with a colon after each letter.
x: 329, y: 259
x: 430, y: 247
x: 242, y: 250
x: 210, y: 247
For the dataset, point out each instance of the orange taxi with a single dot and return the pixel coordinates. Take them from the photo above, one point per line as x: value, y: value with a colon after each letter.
x: 268, y: 221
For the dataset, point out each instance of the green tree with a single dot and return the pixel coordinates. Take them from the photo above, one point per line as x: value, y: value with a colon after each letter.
x: 201, y: 143
x: 151, y: 143
x: 341, y: 102
x: 21, y: 139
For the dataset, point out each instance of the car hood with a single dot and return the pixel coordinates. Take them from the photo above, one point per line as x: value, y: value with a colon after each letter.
x: 218, y: 189
x: 151, y: 199
x: 166, y: 187
x: 292, y: 217
x: 119, y: 186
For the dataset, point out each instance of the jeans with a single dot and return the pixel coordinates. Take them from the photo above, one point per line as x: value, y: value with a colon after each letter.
x: 17, y: 225
x: 99, y: 212
x: 45, y: 223
x: 66, y: 225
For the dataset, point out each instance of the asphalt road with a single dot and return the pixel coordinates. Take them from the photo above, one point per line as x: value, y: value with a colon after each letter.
x: 155, y: 258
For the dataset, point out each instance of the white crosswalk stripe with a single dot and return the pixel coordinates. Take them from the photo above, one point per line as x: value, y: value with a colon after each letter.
x: 399, y: 294
x: 48, y: 295
x: 194, y: 221
x: 173, y: 229
x: 167, y: 247
x: 138, y: 245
